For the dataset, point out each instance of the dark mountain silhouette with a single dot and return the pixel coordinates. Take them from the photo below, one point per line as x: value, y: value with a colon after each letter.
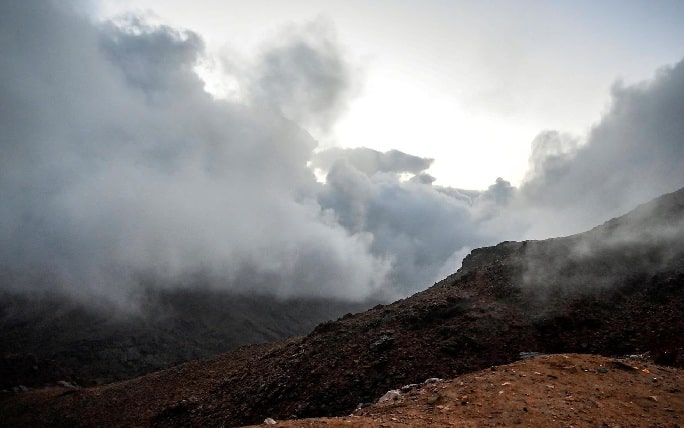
x: 616, y: 289
x: 51, y: 338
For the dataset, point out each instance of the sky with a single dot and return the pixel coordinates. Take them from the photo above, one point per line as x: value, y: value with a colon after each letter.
x: 454, y: 81
x: 344, y: 150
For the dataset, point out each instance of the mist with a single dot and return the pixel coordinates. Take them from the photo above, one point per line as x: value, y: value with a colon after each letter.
x: 117, y: 167
x: 630, y: 252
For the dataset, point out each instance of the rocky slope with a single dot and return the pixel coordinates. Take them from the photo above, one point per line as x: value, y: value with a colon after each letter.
x: 617, y: 289
x: 545, y: 391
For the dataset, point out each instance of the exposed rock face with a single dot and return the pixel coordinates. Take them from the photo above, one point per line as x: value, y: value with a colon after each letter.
x: 483, y: 256
x: 618, y: 289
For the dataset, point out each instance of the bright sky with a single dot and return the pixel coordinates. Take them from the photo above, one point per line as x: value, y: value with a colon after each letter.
x: 468, y: 83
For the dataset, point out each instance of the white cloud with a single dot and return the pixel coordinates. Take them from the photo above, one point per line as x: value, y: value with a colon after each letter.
x: 118, y: 167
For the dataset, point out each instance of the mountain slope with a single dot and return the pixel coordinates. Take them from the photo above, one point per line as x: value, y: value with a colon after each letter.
x: 616, y: 289
x: 544, y: 391
x: 51, y: 338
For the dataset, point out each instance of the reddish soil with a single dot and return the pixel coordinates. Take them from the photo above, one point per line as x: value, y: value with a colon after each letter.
x: 549, y: 390
x: 569, y: 390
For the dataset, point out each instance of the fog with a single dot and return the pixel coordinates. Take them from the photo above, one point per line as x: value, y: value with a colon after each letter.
x: 117, y: 167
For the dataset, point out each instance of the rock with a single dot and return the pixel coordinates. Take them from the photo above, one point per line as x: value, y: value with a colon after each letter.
x: 432, y: 380
x: 407, y: 388
x: 526, y: 355
x: 391, y: 395
x: 433, y: 399
x: 270, y: 421
x: 65, y: 384
x: 385, y: 342
x: 622, y: 366
x: 482, y: 256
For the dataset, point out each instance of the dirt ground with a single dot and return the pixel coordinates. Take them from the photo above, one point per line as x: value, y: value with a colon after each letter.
x: 564, y: 390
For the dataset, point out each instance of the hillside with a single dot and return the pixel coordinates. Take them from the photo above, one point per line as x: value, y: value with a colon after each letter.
x: 614, y: 290
x: 549, y: 390
x: 51, y: 338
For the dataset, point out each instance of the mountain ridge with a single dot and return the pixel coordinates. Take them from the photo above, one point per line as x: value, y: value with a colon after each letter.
x: 606, y: 292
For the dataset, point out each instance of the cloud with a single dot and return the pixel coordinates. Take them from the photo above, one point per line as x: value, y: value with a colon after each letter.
x: 634, y: 153
x: 549, y: 149
x: 369, y: 161
x: 153, y: 59
x: 304, y: 76
x: 118, y: 168
x: 416, y: 225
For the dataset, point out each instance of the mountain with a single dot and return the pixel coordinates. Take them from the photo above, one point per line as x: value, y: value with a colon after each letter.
x: 51, y: 338
x: 614, y: 290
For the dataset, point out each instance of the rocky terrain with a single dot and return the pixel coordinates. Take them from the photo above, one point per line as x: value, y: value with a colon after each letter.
x: 612, y: 291
x: 545, y: 391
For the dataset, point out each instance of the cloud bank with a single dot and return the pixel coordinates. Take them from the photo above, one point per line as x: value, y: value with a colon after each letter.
x: 633, y: 154
x: 117, y: 166
x: 118, y: 169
